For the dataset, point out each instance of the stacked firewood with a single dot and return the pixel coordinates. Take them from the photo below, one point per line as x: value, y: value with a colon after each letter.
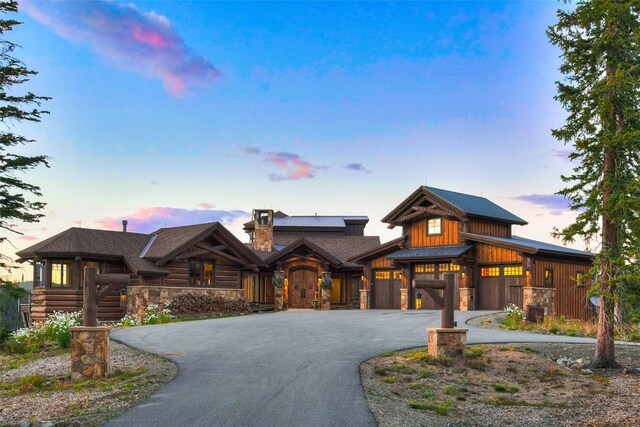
x: 190, y: 303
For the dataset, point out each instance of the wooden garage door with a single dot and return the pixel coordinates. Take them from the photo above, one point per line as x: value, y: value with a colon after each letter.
x: 386, y: 288
x: 498, y: 287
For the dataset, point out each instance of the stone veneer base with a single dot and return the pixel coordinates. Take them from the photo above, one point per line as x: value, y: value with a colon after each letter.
x: 364, y: 299
x: 90, y: 356
x: 542, y: 297
x: 446, y: 341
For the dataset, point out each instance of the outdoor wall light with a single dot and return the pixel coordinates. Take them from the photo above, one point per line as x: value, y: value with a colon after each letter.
x: 362, y: 278
x: 123, y: 297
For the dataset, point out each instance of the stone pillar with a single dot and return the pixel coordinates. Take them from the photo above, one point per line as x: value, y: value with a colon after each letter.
x: 364, y: 299
x: 467, y: 299
x: 446, y: 341
x: 278, y: 298
x: 325, y: 303
x: 404, y: 299
x: 90, y: 351
x: 543, y: 297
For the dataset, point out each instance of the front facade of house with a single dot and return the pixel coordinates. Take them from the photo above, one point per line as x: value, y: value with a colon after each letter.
x: 471, y: 237
x: 442, y: 232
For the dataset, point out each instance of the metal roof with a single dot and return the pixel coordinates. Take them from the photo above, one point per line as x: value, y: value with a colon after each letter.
x: 475, y: 205
x: 433, y: 252
x: 542, y: 246
x: 316, y: 221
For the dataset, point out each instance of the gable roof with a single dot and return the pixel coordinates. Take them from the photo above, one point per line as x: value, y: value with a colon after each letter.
x: 460, y: 203
x: 342, y: 247
x: 289, y: 249
x: 171, y: 241
x: 90, y: 243
x: 528, y: 246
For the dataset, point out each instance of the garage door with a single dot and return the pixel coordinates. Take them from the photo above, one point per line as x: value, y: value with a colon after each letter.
x: 498, y: 287
x: 386, y: 288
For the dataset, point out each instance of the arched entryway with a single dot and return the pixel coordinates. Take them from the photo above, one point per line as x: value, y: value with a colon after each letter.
x: 303, y: 283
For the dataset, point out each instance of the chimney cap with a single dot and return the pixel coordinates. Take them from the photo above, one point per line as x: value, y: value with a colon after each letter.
x: 124, y: 225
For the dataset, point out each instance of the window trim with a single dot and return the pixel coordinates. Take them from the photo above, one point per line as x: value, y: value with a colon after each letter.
x: 439, y: 233
x: 65, y: 273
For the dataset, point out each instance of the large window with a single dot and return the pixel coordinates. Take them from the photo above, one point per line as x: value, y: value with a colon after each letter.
x: 60, y: 275
x: 513, y: 270
x: 201, y: 272
x: 434, y: 226
x: 490, y: 271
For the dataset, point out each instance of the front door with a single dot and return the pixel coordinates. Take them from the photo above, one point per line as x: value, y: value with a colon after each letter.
x: 302, y: 287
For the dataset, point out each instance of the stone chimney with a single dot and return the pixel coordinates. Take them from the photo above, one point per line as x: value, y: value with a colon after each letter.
x: 263, y: 230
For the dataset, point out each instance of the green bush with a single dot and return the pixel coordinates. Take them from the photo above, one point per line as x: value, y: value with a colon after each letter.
x: 54, y: 329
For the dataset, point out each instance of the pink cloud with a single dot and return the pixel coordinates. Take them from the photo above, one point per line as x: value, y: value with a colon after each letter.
x: 205, y: 205
x: 28, y: 237
x: 293, y: 166
x: 148, y: 219
x: 144, y: 42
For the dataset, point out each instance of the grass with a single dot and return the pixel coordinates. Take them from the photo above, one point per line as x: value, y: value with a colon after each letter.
x: 390, y: 379
x: 475, y: 351
x: 442, y: 408
x: 425, y: 372
x: 125, y: 381
x: 502, y: 388
x: 508, y: 401
x: 10, y: 361
x: 403, y: 369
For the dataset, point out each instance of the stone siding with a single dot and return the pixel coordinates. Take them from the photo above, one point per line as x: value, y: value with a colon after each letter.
x: 446, y: 341
x: 404, y: 299
x: 544, y: 297
x: 140, y: 297
x: 90, y: 351
x: 467, y: 299
x: 364, y: 299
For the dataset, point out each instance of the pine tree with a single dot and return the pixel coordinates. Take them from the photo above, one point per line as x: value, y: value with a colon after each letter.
x: 16, y: 204
x: 600, y: 44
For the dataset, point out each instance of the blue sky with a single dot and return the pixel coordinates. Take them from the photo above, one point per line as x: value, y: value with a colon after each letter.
x: 178, y: 112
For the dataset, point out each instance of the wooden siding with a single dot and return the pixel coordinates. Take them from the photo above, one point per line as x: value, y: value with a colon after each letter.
x: 227, y: 275
x: 571, y: 299
x: 45, y: 301
x: 487, y: 254
x: 490, y: 228
x: 381, y: 262
x: 449, y: 235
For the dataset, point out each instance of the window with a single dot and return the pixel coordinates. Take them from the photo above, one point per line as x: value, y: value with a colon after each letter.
x: 579, y: 278
x: 424, y: 268
x: 61, y: 275
x: 434, y: 226
x: 397, y: 274
x: 443, y: 268
x: 37, y: 274
x: 513, y: 270
x: 201, y: 272
x: 548, y: 277
x: 385, y: 275
x: 490, y: 271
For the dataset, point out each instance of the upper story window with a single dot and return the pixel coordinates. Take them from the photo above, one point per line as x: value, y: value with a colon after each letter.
x: 434, y: 226
x: 201, y: 272
x: 548, y: 277
x: 60, y: 274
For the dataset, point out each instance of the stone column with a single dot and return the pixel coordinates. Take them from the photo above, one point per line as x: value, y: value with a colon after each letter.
x: 404, y: 299
x: 325, y: 304
x: 467, y: 299
x: 364, y: 299
x: 278, y: 298
x: 90, y: 351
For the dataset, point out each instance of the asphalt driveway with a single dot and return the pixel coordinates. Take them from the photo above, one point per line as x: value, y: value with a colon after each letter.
x: 294, y: 368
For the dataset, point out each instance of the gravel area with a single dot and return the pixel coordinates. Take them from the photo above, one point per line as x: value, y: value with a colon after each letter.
x: 553, y: 394
x: 83, y: 407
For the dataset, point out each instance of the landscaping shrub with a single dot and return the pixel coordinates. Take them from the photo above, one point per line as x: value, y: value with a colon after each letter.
x: 54, y: 329
x: 191, y: 303
x: 153, y: 315
x: 514, y: 318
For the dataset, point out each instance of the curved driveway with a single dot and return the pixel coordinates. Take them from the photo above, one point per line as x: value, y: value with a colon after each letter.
x: 294, y: 368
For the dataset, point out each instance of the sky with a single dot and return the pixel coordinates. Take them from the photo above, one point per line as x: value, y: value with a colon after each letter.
x: 173, y: 113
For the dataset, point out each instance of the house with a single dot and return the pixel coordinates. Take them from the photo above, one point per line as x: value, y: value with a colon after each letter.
x: 442, y: 232
x: 449, y: 232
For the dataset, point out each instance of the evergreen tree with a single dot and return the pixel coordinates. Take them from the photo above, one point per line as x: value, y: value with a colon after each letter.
x: 16, y: 204
x: 600, y: 44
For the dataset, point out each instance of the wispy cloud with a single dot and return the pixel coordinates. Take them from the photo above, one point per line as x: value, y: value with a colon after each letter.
x: 148, y: 219
x: 556, y: 204
x: 28, y: 237
x: 562, y: 154
x: 144, y: 42
x: 292, y: 167
x: 358, y: 167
